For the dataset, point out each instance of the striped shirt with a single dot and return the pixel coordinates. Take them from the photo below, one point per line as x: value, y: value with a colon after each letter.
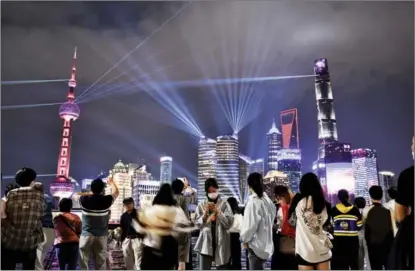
x: 95, y: 214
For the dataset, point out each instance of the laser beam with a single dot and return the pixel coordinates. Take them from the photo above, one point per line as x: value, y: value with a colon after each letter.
x: 137, y: 47
x: 22, y: 106
x: 5, y: 177
x: 21, y: 82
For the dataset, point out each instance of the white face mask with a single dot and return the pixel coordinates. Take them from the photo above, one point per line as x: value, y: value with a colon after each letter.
x: 213, y: 195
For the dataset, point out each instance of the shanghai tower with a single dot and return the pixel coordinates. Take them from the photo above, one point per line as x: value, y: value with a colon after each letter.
x: 327, y: 128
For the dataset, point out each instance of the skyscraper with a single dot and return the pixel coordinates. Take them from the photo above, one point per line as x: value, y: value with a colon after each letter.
x: 69, y: 112
x: 289, y: 162
x: 244, y: 170
x: 274, y: 138
x: 227, y: 165
x: 365, y: 171
x: 334, y: 169
x: 289, y: 125
x: 257, y: 166
x: 206, y: 164
x: 327, y: 129
x: 166, y: 169
x: 123, y: 180
x: 386, y: 181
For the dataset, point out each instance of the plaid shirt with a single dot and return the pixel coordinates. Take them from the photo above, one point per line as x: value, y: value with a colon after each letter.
x: 24, y: 210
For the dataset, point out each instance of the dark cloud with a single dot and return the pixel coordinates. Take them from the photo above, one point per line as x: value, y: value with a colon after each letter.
x: 369, y: 46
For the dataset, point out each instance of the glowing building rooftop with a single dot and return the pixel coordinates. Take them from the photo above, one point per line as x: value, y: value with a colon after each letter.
x: 274, y: 129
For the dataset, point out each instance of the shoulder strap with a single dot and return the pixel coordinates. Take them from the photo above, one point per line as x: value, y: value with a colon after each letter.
x: 67, y: 224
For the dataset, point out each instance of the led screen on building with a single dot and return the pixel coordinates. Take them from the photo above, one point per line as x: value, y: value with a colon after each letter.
x: 339, y: 176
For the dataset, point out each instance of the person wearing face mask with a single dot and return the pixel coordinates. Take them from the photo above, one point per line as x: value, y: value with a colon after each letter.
x: 214, y: 218
x: 24, y: 211
x: 402, y: 252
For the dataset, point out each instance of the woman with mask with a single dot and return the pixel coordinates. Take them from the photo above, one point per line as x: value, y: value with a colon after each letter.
x: 214, y: 218
x: 256, y: 230
x: 347, y: 222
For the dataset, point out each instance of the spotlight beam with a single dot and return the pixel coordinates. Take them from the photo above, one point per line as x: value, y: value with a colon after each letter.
x: 24, y: 106
x: 38, y: 175
x: 21, y: 82
x: 137, y: 47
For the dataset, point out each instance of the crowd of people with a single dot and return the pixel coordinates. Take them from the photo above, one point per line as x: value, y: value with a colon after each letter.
x: 296, y: 231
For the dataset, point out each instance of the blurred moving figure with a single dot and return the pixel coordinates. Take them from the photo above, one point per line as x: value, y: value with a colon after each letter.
x: 214, y: 218
x: 22, y: 227
x: 347, y: 222
x: 392, y: 193
x: 312, y: 245
x: 47, y: 227
x: 132, y: 246
x: 378, y: 229
x: 360, y: 204
x: 95, y: 216
x: 68, y: 228
x: 178, y: 187
x: 402, y: 252
x: 235, y: 262
x: 256, y: 230
x: 162, y: 224
x: 286, y: 232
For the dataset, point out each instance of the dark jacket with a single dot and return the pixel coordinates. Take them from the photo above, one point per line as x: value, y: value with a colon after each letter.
x: 378, y: 226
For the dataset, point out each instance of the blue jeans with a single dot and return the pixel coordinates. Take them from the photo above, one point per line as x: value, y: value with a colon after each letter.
x: 68, y: 255
x: 255, y: 263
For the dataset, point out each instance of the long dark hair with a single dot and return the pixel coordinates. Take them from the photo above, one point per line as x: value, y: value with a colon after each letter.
x: 343, y: 197
x: 256, y: 183
x: 310, y: 186
x: 234, y: 205
x: 164, y: 196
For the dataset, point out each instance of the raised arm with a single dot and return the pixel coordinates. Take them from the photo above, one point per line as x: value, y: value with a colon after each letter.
x: 114, y: 187
x: 201, y: 215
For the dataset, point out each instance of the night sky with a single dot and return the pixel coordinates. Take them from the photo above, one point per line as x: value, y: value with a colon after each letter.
x: 369, y: 47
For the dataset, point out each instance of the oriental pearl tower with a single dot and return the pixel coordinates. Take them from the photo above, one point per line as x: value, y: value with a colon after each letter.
x: 68, y: 112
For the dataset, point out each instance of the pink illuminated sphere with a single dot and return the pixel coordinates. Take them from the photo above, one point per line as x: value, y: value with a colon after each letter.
x: 69, y: 110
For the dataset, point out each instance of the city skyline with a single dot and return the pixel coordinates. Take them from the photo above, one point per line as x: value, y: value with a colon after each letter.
x: 134, y: 126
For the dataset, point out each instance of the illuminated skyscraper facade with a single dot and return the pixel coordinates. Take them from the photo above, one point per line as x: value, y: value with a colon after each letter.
x: 327, y: 127
x: 274, y: 139
x: 166, y: 169
x: 335, y: 170
x: 227, y: 165
x: 289, y: 125
x: 386, y: 181
x: 123, y: 180
x: 257, y: 166
x: 365, y: 171
x: 289, y: 162
x: 140, y: 174
x: 206, y: 164
x: 244, y: 170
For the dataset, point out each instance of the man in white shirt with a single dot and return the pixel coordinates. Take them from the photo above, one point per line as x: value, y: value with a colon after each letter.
x: 392, y: 193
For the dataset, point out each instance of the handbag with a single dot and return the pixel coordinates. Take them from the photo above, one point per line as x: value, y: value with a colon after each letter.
x: 287, y: 245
